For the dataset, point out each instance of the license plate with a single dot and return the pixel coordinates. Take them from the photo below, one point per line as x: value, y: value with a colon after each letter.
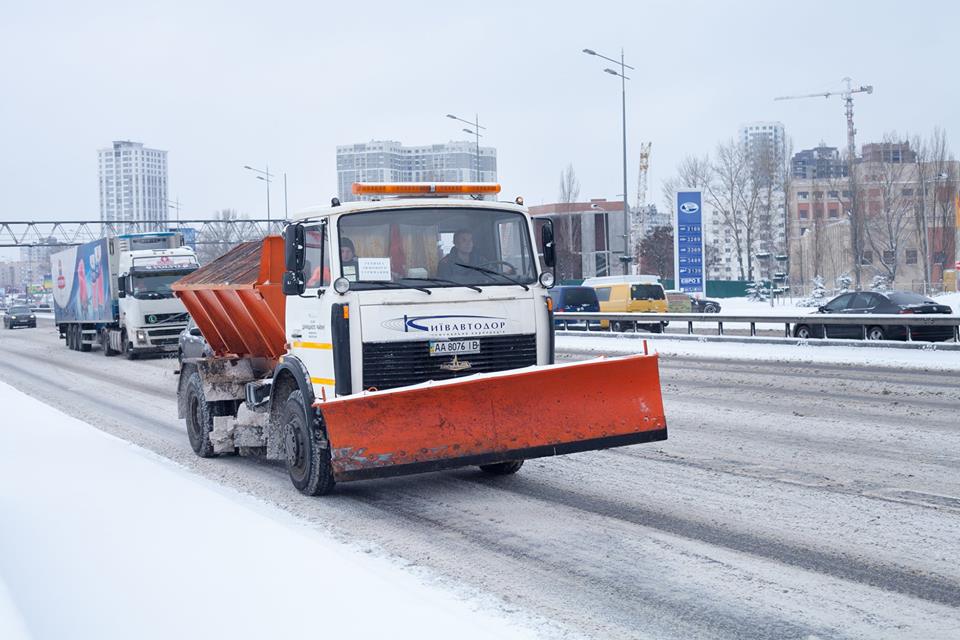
x: 448, y: 347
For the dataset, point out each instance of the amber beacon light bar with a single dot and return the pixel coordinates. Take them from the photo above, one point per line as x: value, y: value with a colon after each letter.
x: 434, y: 188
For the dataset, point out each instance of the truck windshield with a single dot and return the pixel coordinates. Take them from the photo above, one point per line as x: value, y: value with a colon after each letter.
x: 455, y: 246
x: 152, y: 285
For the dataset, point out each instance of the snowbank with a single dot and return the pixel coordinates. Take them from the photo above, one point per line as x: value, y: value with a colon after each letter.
x: 867, y: 356
x: 102, y: 539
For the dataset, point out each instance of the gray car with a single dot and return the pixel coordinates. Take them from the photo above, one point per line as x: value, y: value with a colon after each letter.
x: 192, y: 343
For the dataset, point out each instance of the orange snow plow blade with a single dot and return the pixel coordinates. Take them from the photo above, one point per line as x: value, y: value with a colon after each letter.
x: 487, y: 418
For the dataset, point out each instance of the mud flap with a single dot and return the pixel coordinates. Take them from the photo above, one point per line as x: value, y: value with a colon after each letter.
x: 526, y: 413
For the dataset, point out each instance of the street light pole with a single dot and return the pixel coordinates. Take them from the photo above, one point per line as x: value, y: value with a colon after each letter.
x: 622, y: 74
x: 265, y: 175
x: 475, y: 132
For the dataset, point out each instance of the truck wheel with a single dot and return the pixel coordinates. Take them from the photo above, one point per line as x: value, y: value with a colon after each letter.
x: 81, y: 345
x: 105, y: 343
x: 199, y: 416
x: 308, y: 463
x: 502, y: 468
x: 128, y: 351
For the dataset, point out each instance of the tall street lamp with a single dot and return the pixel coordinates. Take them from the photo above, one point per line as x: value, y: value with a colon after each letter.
x: 474, y: 132
x: 175, y: 205
x: 266, y: 176
x: 628, y: 250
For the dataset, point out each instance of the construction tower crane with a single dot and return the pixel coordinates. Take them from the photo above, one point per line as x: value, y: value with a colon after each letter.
x: 855, y: 217
x: 847, y: 95
x: 642, y: 178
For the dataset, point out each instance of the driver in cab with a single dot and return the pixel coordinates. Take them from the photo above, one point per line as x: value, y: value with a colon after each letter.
x: 461, y: 253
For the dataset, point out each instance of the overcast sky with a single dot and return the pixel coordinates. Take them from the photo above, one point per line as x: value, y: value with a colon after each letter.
x: 224, y: 84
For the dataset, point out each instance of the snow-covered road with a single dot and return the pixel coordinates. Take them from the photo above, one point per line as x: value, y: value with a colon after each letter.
x: 791, y: 500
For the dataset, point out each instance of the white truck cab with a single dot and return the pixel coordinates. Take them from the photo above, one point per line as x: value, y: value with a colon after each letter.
x: 416, y: 289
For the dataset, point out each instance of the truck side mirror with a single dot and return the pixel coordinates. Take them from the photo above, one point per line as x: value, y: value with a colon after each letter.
x: 546, y: 240
x: 121, y: 287
x: 294, y: 247
x: 293, y: 284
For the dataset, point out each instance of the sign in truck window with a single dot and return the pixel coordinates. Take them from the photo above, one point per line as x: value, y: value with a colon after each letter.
x: 163, y: 263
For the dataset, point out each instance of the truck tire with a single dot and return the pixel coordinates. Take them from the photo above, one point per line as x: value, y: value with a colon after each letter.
x: 128, y: 351
x: 308, y: 462
x: 502, y: 468
x: 105, y: 343
x: 199, y: 416
x: 81, y: 345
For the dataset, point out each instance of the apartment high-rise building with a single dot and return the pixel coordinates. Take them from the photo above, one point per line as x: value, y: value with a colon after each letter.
x: 819, y: 163
x: 764, y: 142
x: 133, y: 183
x: 390, y: 161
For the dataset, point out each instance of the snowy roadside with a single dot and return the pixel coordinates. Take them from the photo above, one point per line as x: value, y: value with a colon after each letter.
x: 863, y: 356
x: 102, y: 539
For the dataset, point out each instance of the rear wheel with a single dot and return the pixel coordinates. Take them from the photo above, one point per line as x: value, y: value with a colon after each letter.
x: 656, y: 328
x: 616, y: 326
x: 876, y: 333
x: 199, y: 418
x: 308, y: 461
x: 502, y: 468
x: 81, y: 345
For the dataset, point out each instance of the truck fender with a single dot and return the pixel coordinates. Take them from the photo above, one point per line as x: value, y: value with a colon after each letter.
x: 290, y: 367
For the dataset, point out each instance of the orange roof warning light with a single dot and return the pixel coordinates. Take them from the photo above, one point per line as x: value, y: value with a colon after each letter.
x: 421, y: 188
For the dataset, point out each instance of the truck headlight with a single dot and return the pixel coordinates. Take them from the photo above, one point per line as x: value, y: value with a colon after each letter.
x: 341, y: 285
x: 546, y: 279
x: 141, y: 335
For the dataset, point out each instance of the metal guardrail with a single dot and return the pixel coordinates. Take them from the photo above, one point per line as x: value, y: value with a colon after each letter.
x: 863, y: 320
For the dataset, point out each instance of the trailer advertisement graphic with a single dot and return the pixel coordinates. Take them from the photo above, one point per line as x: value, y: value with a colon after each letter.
x: 81, y: 283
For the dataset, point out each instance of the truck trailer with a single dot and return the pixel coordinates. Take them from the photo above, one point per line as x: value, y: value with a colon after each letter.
x: 399, y: 335
x: 115, y: 292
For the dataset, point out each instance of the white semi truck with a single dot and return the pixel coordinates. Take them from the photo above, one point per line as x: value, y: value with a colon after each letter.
x: 115, y: 292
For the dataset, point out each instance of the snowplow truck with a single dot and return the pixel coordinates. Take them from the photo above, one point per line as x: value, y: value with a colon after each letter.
x: 408, y: 332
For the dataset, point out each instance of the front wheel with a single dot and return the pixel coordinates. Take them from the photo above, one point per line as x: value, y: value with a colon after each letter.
x: 711, y: 308
x: 502, y: 468
x: 803, y: 332
x: 876, y: 333
x: 308, y: 462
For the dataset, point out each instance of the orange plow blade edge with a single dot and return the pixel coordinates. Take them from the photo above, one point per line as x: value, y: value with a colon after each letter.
x: 487, y: 418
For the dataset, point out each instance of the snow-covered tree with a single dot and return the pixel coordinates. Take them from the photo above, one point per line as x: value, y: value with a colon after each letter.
x: 843, y: 283
x: 880, y: 283
x: 757, y: 291
x: 817, y: 297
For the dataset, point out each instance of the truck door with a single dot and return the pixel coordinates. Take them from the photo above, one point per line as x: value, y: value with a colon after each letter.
x: 308, y: 315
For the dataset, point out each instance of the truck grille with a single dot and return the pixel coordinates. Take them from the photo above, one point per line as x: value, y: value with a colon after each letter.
x: 165, y: 318
x: 396, y: 364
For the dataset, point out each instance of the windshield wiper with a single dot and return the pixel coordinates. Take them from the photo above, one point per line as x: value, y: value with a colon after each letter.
x: 390, y: 284
x: 493, y: 273
x: 444, y: 280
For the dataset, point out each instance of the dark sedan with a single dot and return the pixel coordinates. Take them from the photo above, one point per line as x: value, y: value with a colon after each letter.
x: 679, y: 302
x: 19, y: 316
x: 864, y: 302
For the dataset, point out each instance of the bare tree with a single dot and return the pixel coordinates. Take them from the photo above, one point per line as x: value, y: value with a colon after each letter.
x: 220, y: 237
x: 887, y: 210
x: 943, y: 181
x: 731, y: 195
x: 657, y: 252
x: 568, y: 228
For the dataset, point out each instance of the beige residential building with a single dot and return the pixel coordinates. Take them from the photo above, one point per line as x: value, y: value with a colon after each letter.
x: 902, y: 201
